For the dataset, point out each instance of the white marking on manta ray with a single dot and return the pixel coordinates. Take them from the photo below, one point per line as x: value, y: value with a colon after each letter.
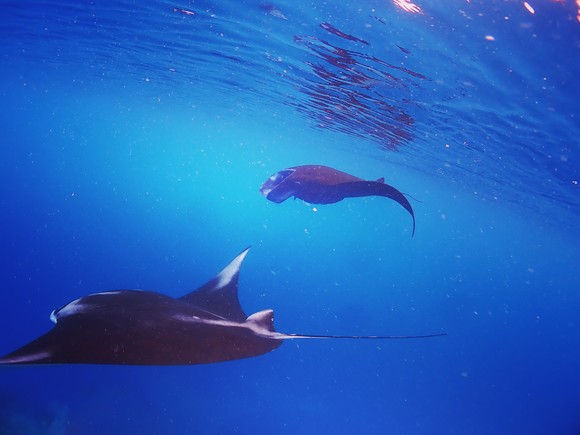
x: 183, y: 318
x: 226, y: 275
x: 74, y: 307
x: 258, y: 323
x: 33, y: 357
x: 114, y: 292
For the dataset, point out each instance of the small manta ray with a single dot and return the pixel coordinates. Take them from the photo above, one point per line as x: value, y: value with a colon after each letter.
x: 136, y: 327
x: 317, y: 184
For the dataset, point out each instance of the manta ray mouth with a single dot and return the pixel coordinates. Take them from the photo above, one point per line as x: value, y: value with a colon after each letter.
x: 265, y: 191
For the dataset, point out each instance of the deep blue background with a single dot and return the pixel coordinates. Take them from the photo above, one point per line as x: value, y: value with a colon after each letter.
x: 134, y: 141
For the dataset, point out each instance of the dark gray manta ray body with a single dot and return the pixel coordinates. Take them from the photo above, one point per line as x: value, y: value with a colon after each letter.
x: 317, y: 184
x: 135, y: 327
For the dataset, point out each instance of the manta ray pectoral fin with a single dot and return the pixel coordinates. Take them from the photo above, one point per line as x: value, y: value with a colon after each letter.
x: 376, y: 188
x: 21, y: 357
x: 220, y: 295
x: 38, y: 351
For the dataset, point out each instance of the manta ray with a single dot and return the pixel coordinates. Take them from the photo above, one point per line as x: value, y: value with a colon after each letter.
x: 317, y: 184
x: 137, y: 327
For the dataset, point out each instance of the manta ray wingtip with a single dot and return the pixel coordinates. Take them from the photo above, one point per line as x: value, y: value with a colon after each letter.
x: 236, y: 263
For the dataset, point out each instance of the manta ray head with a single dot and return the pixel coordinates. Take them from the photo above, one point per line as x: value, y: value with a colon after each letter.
x: 277, y: 188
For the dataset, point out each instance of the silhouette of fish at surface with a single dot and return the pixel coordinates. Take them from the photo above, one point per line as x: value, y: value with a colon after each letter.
x: 136, y: 327
x: 317, y: 184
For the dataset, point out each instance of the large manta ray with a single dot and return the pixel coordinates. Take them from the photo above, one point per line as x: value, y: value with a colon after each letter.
x: 317, y: 184
x: 136, y: 327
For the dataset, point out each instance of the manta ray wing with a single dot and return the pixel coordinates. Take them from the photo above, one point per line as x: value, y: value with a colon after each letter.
x: 220, y: 295
x: 376, y: 188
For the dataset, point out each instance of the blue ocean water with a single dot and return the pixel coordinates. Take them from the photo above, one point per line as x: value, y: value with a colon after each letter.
x: 135, y: 137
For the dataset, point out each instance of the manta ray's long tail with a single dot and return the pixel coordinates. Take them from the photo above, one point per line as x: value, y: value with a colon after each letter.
x: 363, y: 337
